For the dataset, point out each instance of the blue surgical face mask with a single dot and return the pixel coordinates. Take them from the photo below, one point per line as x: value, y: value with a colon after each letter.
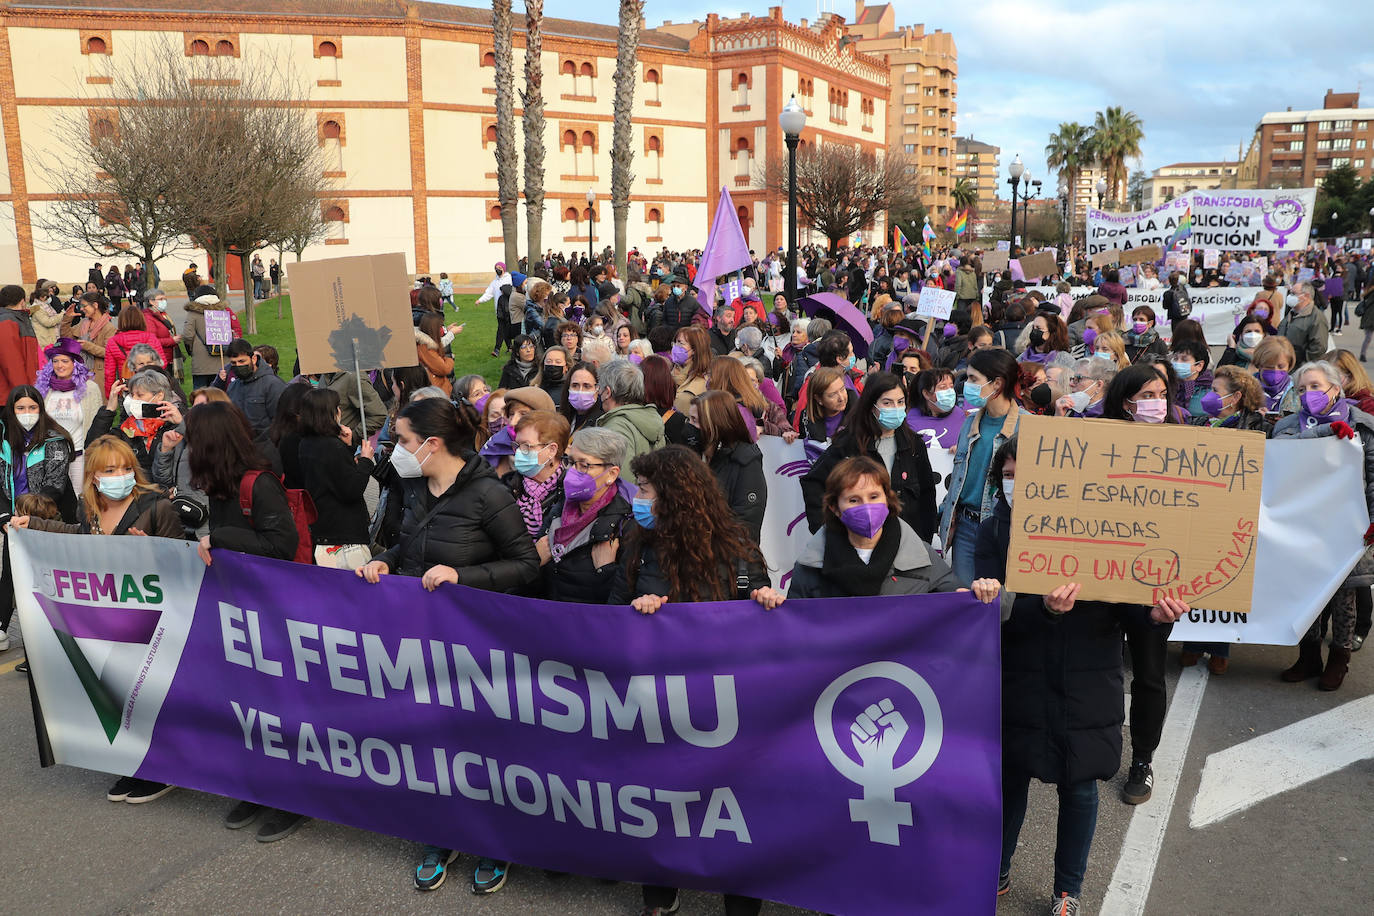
x: 527, y: 464
x: 945, y: 398
x: 116, y: 487
x: 1105, y: 354
x: 891, y: 417
x: 1183, y: 369
x: 643, y: 510
x: 973, y: 394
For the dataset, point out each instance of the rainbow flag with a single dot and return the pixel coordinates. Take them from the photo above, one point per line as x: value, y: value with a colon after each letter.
x: 1183, y: 230
x: 899, y: 240
x: 958, y: 222
x: 927, y: 234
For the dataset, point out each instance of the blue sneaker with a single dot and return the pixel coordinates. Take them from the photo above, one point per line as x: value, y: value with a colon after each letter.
x: 490, y: 876
x: 433, y: 867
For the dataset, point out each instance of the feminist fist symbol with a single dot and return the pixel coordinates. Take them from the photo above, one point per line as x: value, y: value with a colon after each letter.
x: 877, y: 733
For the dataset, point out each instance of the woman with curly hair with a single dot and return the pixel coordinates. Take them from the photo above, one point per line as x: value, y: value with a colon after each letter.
x: 71, y: 395
x: 688, y: 546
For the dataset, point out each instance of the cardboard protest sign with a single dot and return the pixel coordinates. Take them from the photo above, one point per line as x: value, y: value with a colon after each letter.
x: 340, y: 301
x: 935, y: 302
x: 1136, y: 512
x: 218, y: 331
x: 1211, y: 257
x: 1104, y: 258
x: 995, y: 261
x: 1040, y: 264
x: 1145, y: 254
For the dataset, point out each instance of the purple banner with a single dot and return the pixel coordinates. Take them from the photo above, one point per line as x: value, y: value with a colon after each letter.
x: 837, y: 755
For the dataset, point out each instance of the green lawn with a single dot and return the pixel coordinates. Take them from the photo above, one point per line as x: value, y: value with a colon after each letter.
x: 471, y: 349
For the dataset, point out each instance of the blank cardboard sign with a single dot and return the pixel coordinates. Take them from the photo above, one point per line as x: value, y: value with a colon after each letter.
x: 1110, y: 256
x: 994, y: 261
x: 1135, y: 512
x: 338, y: 301
x: 1040, y: 264
x: 1145, y: 254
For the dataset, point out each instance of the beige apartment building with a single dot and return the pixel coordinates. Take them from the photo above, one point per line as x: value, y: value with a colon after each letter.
x: 979, y: 162
x: 1169, y: 181
x: 923, y: 72
x: 402, y: 92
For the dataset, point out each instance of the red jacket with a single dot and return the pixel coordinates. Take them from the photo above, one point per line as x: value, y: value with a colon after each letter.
x: 19, y: 354
x: 166, y: 337
x: 117, y: 351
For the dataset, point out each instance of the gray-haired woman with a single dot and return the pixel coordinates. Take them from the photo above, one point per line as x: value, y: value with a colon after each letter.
x: 579, y: 545
x: 149, y: 411
x: 1324, y: 411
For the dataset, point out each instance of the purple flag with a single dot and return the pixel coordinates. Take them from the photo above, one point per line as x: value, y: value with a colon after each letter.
x: 840, y: 755
x: 726, y: 250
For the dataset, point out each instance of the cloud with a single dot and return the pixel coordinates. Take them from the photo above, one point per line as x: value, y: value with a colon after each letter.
x: 1199, y: 74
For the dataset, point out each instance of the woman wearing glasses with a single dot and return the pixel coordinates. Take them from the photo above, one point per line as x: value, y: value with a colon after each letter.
x: 541, y: 437
x: 579, y: 547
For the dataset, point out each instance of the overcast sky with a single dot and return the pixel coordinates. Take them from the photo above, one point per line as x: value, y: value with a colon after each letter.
x: 1199, y: 74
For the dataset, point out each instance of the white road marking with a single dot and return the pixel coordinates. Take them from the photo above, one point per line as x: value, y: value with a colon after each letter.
x: 1135, y: 869
x: 1248, y: 773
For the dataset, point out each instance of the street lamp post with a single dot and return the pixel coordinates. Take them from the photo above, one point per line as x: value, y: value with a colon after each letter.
x: 1014, y: 170
x: 792, y: 119
x: 591, y: 224
x: 1064, y: 209
x: 1026, y: 197
x: 1101, y: 189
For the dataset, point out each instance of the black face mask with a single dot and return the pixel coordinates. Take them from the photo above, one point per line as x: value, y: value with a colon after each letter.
x: 244, y: 371
x: 1037, y: 337
x: 553, y: 373
x: 1041, y: 396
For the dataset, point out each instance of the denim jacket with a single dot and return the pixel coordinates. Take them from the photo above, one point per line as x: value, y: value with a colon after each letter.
x: 967, y: 436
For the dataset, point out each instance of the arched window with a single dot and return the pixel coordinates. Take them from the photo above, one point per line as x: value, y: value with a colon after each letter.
x: 103, y: 129
x: 742, y: 157
x: 331, y: 130
x: 651, y: 87
x: 224, y: 48
x: 742, y: 212
x: 655, y: 155
x: 570, y: 215
x: 494, y: 214
x: 589, y: 139
x: 200, y: 48
x: 336, y: 223
x: 95, y: 45
x: 655, y: 221
x: 587, y: 154
x: 489, y: 59
x: 329, y: 49
x: 584, y: 82
x: 742, y: 88
x: 490, y: 135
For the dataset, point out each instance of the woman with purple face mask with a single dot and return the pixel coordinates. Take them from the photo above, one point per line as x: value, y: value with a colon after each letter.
x: 1141, y: 337
x: 579, y: 546
x: 864, y: 548
x: 1272, y: 362
x: 1324, y: 411
x: 578, y: 404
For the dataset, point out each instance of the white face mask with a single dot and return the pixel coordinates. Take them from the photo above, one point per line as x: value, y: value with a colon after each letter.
x: 1008, y: 489
x: 133, y: 407
x: 1079, y: 400
x: 27, y: 420
x: 1251, y: 339
x: 404, y: 462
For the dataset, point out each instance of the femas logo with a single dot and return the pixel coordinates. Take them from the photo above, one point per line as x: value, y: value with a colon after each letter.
x: 98, y: 617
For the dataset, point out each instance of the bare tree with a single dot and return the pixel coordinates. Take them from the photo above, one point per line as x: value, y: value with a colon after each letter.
x: 116, y: 176
x: 258, y: 162
x: 507, y: 159
x: 301, y: 227
x: 533, y: 116
x: 840, y: 189
x: 622, y: 149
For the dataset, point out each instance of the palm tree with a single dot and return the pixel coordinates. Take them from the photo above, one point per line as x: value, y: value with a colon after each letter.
x: 533, y: 116
x: 1071, y: 150
x: 622, y: 150
x: 964, y: 194
x: 1117, y: 135
x: 507, y: 159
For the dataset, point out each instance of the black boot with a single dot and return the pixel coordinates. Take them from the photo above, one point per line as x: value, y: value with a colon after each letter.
x: 1309, y: 663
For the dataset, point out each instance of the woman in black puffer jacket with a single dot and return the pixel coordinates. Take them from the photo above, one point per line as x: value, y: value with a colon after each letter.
x: 460, y: 522
x: 736, y: 461
x: 460, y: 525
x: 580, y: 543
x: 1063, y: 699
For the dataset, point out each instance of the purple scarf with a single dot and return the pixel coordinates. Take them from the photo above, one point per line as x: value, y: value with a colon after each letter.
x: 47, y: 381
x: 1030, y: 356
x: 1339, y: 411
x: 578, y: 516
x: 531, y: 500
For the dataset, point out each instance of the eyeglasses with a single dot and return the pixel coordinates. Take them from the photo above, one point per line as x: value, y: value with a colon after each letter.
x: 586, y: 466
x: 533, y: 449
